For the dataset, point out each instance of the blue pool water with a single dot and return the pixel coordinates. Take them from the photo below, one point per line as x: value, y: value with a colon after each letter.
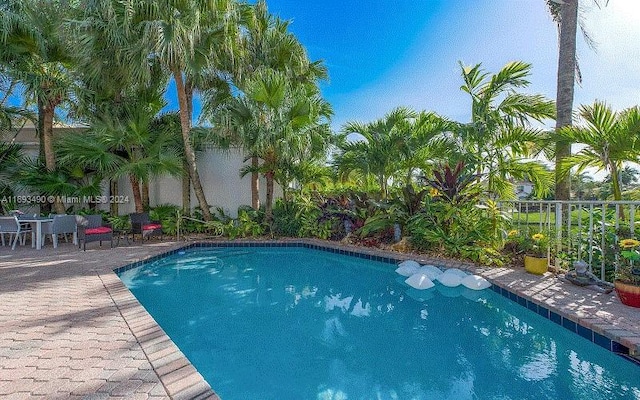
x: 296, y: 323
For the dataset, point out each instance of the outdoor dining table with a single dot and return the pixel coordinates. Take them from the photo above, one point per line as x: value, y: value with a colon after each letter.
x: 36, y: 228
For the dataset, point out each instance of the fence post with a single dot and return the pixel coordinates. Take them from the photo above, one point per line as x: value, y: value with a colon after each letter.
x: 558, y: 225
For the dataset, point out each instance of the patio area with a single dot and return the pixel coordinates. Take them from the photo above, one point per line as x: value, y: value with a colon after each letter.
x: 70, y: 329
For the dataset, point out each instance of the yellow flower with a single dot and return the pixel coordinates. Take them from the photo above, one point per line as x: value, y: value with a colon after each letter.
x: 512, y: 233
x: 629, y: 243
x: 537, y: 236
x: 433, y: 192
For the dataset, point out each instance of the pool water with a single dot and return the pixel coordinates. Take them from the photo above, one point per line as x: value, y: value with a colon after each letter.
x: 296, y: 323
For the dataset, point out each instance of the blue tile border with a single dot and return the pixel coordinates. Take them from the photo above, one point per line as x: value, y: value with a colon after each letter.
x: 533, y: 306
x: 566, y: 323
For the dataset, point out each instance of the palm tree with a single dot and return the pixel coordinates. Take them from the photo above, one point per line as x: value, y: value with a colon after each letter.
x: 111, y: 64
x: 286, y: 121
x: 379, y: 154
x: 122, y: 143
x: 267, y: 43
x: 565, y: 13
x: 187, y: 38
x: 499, y: 141
x: 36, y: 54
x: 611, y: 138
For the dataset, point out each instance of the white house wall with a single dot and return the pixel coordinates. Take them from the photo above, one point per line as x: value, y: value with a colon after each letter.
x: 219, y: 172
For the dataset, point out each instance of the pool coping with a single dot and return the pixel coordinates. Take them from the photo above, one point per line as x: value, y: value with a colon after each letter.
x: 537, y: 293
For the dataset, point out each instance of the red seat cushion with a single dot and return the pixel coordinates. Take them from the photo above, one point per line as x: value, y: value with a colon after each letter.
x: 151, y: 227
x: 98, y: 230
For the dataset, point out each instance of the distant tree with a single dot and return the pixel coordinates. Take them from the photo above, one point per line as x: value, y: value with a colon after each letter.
x: 582, y: 185
x: 611, y: 138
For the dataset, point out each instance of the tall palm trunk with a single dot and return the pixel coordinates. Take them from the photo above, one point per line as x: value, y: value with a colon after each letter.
x: 382, y: 180
x: 47, y: 109
x: 268, y: 207
x: 185, y: 124
x: 255, y: 183
x: 114, y: 192
x: 565, y: 88
x: 617, y: 191
x: 186, y: 190
x: 145, y: 194
x: 135, y: 188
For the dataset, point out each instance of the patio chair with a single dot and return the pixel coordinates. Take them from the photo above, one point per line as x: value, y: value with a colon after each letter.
x: 143, y: 226
x: 15, y: 229
x: 92, y: 229
x: 61, y: 225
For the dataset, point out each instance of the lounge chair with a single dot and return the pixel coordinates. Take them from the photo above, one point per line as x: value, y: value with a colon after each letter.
x: 12, y: 226
x: 92, y: 229
x: 143, y: 226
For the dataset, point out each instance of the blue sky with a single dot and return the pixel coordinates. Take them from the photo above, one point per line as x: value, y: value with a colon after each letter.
x: 383, y: 54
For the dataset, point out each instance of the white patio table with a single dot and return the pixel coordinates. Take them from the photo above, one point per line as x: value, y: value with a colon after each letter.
x: 36, y: 228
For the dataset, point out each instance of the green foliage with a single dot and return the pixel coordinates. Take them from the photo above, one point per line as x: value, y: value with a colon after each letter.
x: 610, y: 139
x: 600, y: 248
x: 119, y: 222
x: 167, y: 214
x: 247, y: 224
x: 453, y: 225
x: 455, y: 230
x: 396, y: 209
x: 285, y: 219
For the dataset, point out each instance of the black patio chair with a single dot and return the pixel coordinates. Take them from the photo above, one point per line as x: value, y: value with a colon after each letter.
x: 143, y: 226
x: 92, y: 229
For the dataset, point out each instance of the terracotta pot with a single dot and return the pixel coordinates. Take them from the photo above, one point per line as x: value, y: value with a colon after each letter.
x: 536, y: 265
x: 629, y: 294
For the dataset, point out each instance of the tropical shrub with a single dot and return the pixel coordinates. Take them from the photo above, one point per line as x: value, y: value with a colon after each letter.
x: 167, y: 214
x: 247, y: 224
x: 285, y: 219
x: 396, y: 210
x: 453, y: 224
x: 119, y: 222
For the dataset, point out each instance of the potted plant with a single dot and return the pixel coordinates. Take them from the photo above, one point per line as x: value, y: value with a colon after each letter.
x: 536, y: 259
x: 627, y: 281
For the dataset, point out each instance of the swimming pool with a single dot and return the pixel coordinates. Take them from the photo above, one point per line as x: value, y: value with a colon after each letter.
x: 297, y: 323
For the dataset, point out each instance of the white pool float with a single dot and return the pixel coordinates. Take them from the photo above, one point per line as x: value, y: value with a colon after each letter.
x: 431, y: 271
x: 475, y: 282
x: 456, y: 272
x: 419, y: 281
x: 408, y: 268
x: 449, y: 280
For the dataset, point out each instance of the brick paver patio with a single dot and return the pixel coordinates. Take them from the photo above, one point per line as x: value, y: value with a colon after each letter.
x: 70, y: 329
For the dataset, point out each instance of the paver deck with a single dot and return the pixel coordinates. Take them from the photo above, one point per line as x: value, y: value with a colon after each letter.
x: 70, y: 329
